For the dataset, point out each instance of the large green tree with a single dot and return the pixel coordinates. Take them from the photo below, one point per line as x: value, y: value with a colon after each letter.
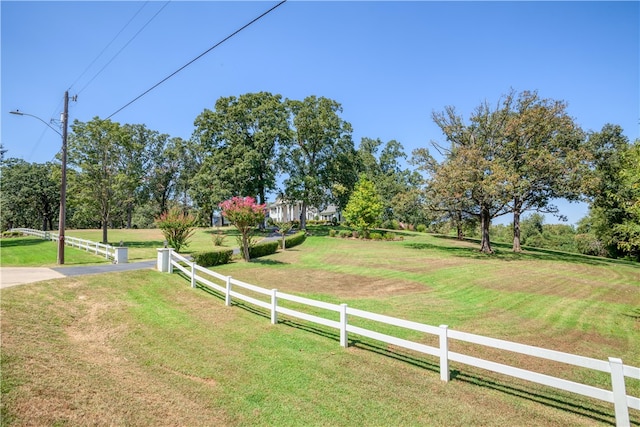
x: 544, y: 152
x: 609, y: 192
x: 472, y: 178
x: 319, y: 160
x: 240, y: 139
x: 397, y: 186
x: 94, y: 150
x: 30, y: 194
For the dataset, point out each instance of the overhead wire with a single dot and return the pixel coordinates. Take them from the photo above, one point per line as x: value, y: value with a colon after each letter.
x: 108, y: 45
x: 123, y: 47
x: 198, y: 57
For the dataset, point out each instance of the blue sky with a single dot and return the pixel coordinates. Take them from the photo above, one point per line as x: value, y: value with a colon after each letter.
x: 390, y: 64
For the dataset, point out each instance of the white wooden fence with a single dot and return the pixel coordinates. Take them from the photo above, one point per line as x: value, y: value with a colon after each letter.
x: 118, y: 255
x: 168, y: 260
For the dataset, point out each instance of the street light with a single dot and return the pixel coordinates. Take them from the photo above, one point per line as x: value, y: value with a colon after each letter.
x: 63, y: 185
x: 20, y: 113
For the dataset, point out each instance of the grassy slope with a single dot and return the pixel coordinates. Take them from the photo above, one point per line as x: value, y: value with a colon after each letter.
x: 142, y: 348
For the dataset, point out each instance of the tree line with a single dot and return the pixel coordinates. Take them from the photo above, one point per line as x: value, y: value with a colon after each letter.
x: 510, y: 158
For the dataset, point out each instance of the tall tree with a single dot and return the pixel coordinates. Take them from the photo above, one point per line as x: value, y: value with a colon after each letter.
x: 607, y: 190
x: 319, y: 159
x: 240, y: 138
x: 397, y: 187
x: 93, y: 148
x: 30, y: 194
x: 472, y: 178
x: 544, y: 152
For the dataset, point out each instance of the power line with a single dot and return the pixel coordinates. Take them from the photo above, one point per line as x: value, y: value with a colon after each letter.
x: 108, y: 45
x: 123, y: 47
x: 197, y: 57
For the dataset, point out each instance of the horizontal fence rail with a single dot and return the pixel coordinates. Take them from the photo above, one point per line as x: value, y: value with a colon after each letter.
x: 272, y: 301
x: 116, y: 254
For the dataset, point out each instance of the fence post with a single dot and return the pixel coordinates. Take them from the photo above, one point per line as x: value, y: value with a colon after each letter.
x: 170, y: 256
x: 227, y: 297
x: 163, y: 260
x: 274, y: 306
x: 193, y: 274
x: 619, y: 392
x: 444, y: 353
x: 344, y: 341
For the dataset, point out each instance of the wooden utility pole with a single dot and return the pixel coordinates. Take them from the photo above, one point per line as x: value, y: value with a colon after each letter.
x: 63, y: 184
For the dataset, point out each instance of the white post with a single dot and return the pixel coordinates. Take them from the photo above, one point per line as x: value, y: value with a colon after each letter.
x: 163, y: 260
x: 444, y: 353
x: 193, y: 274
x: 96, y: 248
x: 344, y: 341
x: 619, y: 392
x: 227, y: 297
x: 121, y: 254
x: 274, y: 306
x: 170, y: 266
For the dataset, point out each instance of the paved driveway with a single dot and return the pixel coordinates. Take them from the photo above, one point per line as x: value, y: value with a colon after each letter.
x: 13, y: 276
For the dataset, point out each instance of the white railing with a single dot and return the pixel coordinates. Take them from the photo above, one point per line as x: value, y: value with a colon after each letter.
x: 168, y: 260
x: 117, y: 254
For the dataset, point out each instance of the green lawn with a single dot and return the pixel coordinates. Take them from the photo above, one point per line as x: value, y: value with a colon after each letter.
x: 35, y: 252
x: 143, y: 348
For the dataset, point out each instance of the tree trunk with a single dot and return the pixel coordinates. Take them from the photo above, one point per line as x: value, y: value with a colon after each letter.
x: 303, y: 216
x: 129, y: 215
x: 517, y: 206
x: 44, y: 223
x: 459, y: 225
x: 105, y: 223
x: 485, y: 222
x: 245, y: 245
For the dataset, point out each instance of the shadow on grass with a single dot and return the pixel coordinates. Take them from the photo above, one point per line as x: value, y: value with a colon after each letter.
x: 574, y: 404
x: 141, y: 244
x: 502, y: 251
x: 267, y: 262
x: 12, y: 242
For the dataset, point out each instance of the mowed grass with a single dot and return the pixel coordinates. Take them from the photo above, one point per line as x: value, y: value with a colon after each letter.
x: 142, y: 348
x: 35, y: 252
x: 142, y: 243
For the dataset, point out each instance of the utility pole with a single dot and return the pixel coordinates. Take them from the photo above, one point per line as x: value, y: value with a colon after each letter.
x: 63, y: 185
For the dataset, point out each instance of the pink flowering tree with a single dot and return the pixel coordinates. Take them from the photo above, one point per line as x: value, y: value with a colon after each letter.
x: 245, y: 214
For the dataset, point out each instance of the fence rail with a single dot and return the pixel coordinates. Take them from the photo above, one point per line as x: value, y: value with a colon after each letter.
x: 118, y: 255
x: 168, y: 260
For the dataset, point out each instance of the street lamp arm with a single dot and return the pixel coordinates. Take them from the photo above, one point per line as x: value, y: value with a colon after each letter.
x: 20, y: 113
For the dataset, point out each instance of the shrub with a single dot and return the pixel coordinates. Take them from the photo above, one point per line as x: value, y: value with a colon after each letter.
x: 12, y: 234
x: 263, y: 249
x: 421, y: 228
x: 218, y: 238
x: 295, y: 240
x: 390, y: 236
x: 209, y: 259
x: 345, y: 233
x: 177, y: 227
x: 375, y: 236
x: 333, y: 233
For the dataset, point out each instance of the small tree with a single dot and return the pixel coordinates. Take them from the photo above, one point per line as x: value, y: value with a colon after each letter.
x: 177, y: 227
x: 244, y: 213
x: 284, y: 228
x: 365, y: 206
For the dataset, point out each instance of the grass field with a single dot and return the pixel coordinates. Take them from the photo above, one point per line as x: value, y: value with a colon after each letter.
x: 142, y: 348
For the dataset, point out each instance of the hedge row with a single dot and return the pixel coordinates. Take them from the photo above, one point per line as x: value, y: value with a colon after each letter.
x: 263, y: 249
x: 209, y: 259
x: 294, y: 240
